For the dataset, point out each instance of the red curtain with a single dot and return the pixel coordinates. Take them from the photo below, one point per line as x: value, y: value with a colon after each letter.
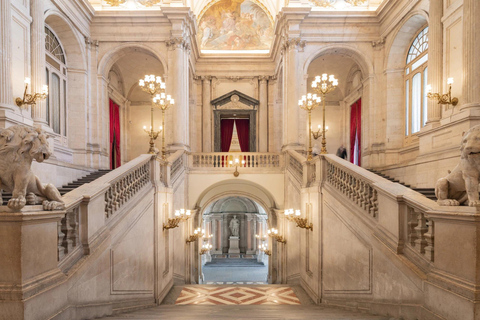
x: 226, y: 132
x: 356, y: 131
x: 115, y: 159
x: 243, y: 127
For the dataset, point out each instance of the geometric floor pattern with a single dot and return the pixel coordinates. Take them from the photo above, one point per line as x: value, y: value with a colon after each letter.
x: 201, y: 295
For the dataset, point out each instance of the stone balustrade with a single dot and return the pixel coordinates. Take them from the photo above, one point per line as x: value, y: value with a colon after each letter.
x: 392, y: 225
x: 50, y: 247
x: 353, y: 185
x: 222, y: 160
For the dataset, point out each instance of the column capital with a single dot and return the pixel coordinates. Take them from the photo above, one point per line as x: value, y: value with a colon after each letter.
x: 294, y: 43
x: 206, y: 78
x: 177, y: 43
x: 264, y: 79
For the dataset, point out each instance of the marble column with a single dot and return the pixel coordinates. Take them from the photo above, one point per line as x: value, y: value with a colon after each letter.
x: 6, y: 94
x: 471, y: 48
x: 178, y: 88
x: 292, y: 76
x: 207, y: 114
x: 263, y: 115
x: 435, y: 59
x: 39, y: 111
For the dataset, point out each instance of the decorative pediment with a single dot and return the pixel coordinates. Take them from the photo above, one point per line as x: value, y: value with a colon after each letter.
x: 235, y: 100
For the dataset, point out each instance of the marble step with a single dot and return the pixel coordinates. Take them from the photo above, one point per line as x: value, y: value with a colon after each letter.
x: 247, y: 312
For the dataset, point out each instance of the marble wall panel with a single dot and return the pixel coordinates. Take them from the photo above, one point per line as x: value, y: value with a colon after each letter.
x: 347, y: 259
x: 131, y: 258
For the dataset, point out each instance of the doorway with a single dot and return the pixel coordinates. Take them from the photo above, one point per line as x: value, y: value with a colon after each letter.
x: 115, y: 155
x: 238, y: 226
x: 356, y: 132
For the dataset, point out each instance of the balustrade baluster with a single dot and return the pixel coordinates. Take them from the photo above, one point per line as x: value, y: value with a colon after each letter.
x: 429, y: 238
x: 61, y: 236
x: 421, y: 229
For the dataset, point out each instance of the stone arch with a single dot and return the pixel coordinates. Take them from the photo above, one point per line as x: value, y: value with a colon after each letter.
x: 113, y: 55
x: 235, y: 187
x: 351, y: 52
x: 71, y: 41
x: 397, y: 48
x: 394, y: 65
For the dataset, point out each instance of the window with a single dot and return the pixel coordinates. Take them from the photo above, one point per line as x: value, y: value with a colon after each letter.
x: 416, y: 71
x: 56, y: 78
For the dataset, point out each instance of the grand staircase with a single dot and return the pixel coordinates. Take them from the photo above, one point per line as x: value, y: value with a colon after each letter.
x: 427, y: 192
x: 80, y: 182
x: 68, y: 187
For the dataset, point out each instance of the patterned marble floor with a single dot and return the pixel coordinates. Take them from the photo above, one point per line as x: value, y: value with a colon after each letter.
x: 237, y: 295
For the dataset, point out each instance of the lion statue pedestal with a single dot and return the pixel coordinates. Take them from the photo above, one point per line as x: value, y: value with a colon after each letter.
x: 461, y: 184
x: 19, y: 145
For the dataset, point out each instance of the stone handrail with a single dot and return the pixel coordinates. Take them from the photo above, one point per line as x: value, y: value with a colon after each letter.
x: 107, y: 194
x: 222, y: 160
x: 358, y: 187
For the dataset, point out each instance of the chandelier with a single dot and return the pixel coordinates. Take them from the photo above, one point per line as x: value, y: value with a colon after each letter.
x: 324, y: 85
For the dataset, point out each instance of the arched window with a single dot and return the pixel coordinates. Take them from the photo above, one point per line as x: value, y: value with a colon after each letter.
x: 56, y: 76
x: 415, y: 84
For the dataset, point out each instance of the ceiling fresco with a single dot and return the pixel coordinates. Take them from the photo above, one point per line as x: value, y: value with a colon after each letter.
x: 235, y: 25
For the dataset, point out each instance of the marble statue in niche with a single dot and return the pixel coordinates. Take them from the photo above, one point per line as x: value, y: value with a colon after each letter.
x: 234, y: 226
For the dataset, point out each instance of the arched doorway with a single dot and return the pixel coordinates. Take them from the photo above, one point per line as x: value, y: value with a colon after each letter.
x: 214, y: 199
x: 238, y: 226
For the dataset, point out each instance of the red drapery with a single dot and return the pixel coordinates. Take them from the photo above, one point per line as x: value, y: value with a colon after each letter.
x: 226, y: 132
x: 356, y: 131
x: 115, y: 160
x: 243, y: 127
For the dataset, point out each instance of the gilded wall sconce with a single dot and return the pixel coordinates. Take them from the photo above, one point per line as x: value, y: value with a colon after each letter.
x: 31, y: 99
x: 297, y: 218
x: 445, y: 98
x: 263, y: 248
x: 180, y: 215
x: 274, y: 234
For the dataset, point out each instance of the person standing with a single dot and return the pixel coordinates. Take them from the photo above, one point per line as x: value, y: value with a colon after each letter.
x: 342, y: 152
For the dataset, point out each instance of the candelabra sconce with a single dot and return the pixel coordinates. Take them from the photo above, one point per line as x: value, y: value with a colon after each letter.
x: 274, y: 234
x: 322, y: 86
x: 206, y: 247
x: 317, y: 134
x: 153, y: 136
x: 197, y: 233
x: 301, y: 222
x: 31, y: 99
x: 237, y: 162
x: 309, y: 102
x: 180, y: 215
x: 263, y: 248
x: 443, y: 98
x: 163, y: 102
x: 264, y: 237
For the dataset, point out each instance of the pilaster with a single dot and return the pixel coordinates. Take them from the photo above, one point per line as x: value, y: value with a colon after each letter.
x: 206, y: 114
x: 263, y: 115
x: 178, y: 88
x: 471, y: 47
x: 39, y: 111
x: 6, y: 94
x: 435, y: 59
x: 292, y: 77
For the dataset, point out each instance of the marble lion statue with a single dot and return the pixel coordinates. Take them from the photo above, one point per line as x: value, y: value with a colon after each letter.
x: 461, y: 184
x: 19, y: 145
